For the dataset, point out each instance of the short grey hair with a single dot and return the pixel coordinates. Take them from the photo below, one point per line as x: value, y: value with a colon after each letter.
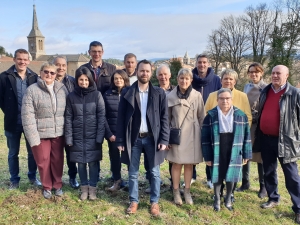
x: 47, y: 65
x: 162, y: 66
x: 223, y: 90
x: 185, y: 72
x: 230, y: 72
x: 59, y: 57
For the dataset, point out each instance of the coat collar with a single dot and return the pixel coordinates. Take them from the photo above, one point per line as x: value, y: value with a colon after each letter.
x: 288, y: 90
x: 42, y: 84
x: 132, y: 93
x: 12, y: 77
x: 214, y: 112
x: 174, y: 100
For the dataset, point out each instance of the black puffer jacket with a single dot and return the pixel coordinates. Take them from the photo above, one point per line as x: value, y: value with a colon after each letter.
x: 84, y: 125
x: 69, y: 82
x: 111, y: 99
x: 9, y: 96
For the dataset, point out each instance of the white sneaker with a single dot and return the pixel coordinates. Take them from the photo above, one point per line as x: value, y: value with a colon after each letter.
x: 210, y: 184
x: 192, y: 181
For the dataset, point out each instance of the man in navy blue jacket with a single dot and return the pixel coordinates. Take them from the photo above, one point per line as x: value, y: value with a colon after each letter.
x: 13, y: 84
x: 205, y: 81
x: 143, y: 125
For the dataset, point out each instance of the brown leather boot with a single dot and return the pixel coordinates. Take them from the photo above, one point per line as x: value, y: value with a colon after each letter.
x: 154, y: 209
x: 92, y: 193
x: 132, y: 208
x: 116, y: 186
x: 84, y: 192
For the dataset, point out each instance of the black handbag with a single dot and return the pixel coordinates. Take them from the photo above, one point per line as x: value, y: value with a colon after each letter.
x: 175, y: 133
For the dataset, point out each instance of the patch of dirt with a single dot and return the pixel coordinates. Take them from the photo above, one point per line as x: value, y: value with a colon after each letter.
x: 31, y: 198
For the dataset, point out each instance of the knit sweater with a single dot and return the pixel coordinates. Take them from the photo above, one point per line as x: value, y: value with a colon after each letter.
x: 270, y: 116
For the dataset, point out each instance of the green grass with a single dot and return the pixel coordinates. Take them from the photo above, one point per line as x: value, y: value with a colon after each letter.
x: 27, y: 206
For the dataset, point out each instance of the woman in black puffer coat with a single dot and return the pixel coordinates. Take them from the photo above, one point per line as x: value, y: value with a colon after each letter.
x: 119, y: 80
x: 84, y: 129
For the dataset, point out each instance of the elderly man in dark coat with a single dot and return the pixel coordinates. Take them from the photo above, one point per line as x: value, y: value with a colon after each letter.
x: 143, y: 125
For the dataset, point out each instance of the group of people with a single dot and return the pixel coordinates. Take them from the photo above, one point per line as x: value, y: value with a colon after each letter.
x: 203, y: 118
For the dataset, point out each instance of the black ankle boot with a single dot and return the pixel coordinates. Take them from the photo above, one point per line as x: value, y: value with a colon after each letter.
x: 228, y: 203
x: 217, y: 206
x: 245, y: 185
x: 262, y: 191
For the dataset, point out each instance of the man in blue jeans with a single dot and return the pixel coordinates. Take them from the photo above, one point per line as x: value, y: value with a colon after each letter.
x: 143, y: 125
x: 13, y: 84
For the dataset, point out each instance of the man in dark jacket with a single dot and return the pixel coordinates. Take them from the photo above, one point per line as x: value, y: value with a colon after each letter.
x: 205, y: 81
x: 69, y: 82
x: 100, y: 70
x: 13, y: 84
x: 277, y: 137
x: 143, y: 125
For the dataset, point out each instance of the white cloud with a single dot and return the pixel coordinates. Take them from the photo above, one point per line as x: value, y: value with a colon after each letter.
x: 150, y: 35
x: 146, y: 35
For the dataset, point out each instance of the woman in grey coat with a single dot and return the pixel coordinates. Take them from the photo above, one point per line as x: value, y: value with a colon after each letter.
x: 43, y: 109
x: 253, y: 90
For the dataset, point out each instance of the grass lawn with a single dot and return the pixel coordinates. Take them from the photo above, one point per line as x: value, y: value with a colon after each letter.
x: 27, y: 205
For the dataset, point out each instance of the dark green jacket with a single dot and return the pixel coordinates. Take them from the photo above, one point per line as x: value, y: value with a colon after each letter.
x: 241, y: 148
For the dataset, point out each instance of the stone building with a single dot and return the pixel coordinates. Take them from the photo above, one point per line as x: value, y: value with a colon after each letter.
x: 186, y: 59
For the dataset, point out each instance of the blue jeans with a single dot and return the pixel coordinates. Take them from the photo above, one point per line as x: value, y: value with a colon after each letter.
x: 13, y: 144
x: 146, y: 144
x: 93, y: 173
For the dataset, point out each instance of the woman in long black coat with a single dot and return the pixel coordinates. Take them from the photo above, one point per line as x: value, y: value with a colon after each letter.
x: 84, y: 129
x: 119, y: 80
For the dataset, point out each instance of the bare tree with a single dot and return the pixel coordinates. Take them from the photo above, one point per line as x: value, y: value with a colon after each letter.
x: 285, y: 37
x: 214, y: 49
x: 235, y: 41
x: 260, y: 21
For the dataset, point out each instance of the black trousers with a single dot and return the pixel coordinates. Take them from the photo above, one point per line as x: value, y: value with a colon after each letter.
x: 269, y: 156
x: 71, y: 165
x: 115, y: 160
x: 260, y: 170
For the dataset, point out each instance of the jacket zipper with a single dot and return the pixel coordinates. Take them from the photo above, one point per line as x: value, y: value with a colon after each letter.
x: 83, y: 140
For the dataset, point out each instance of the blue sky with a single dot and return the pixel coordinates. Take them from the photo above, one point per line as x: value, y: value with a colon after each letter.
x: 150, y: 29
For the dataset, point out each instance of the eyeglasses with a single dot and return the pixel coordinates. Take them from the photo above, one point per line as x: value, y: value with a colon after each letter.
x: 253, y: 72
x: 47, y: 72
x: 224, y: 99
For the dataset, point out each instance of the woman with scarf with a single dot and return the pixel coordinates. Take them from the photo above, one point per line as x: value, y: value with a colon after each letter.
x: 226, y: 145
x: 186, y: 111
x: 84, y: 130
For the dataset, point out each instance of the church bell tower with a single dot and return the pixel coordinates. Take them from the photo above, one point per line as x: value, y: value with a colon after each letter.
x: 36, y: 41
